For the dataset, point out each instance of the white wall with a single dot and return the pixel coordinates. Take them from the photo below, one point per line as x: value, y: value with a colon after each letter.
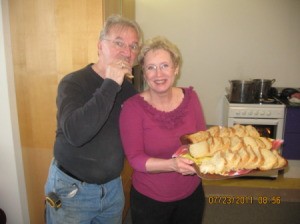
x: 13, y: 198
x: 221, y: 40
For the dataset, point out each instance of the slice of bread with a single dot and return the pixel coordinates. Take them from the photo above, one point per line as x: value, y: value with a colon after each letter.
x: 260, y: 143
x: 267, y: 142
x: 244, y: 155
x: 250, y: 141
x: 231, y: 131
x: 226, y: 143
x: 214, y: 131
x: 219, y: 161
x: 236, y: 143
x: 260, y: 159
x: 240, y: 130
x: 199, y: 149
x: 216, y: 145
x: 232, y: 160
x: 281, y: 162
x: 224, y: 132
x: 252, y: 159
x: 269, y: 159
x: 198, y: 136
x: 207, y: 167
x: 214, y: 165
x: 251, y: 131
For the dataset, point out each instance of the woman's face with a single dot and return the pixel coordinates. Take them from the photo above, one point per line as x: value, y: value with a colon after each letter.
x: 159, y: 70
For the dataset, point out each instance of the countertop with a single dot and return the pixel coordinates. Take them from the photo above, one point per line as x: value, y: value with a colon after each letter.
x: 288, y: 189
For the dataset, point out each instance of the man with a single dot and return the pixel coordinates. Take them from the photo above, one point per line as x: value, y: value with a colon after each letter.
x: 84, y: 184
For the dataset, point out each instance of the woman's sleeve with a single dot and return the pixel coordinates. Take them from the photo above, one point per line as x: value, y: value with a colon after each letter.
x: 131, y: 130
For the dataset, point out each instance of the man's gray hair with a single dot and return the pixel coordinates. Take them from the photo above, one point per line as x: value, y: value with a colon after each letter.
x: 118, y: 20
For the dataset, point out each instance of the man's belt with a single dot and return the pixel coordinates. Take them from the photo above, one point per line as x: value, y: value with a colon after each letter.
x: 61, y: 168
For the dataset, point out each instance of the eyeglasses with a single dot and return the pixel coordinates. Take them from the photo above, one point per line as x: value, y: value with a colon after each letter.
x: 164, y: 67
x: 120, y: 45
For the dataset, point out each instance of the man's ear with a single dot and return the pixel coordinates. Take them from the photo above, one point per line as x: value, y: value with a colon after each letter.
x: 99, y: 47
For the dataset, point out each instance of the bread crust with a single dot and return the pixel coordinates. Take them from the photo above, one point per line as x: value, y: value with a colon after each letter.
x: 232, y: 149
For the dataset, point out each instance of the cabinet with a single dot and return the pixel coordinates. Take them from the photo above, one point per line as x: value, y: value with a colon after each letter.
x: 291, y: 146
x: 49, y: 40
x: 123, y: 7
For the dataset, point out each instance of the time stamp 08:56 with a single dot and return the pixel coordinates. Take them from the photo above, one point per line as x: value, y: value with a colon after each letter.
x: 243, y: 200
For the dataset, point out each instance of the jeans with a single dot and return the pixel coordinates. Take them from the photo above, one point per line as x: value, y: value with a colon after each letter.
x: 82, y: 202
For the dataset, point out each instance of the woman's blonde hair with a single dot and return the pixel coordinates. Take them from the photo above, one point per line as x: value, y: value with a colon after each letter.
x: 157, y: 43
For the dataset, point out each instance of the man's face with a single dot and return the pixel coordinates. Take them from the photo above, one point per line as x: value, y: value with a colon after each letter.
x: 121, y: 43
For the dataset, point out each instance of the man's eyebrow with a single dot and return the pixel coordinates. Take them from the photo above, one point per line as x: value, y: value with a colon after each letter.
x: 121, y: 38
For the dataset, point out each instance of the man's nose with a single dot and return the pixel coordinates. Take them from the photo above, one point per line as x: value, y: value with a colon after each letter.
x: 126, y: 50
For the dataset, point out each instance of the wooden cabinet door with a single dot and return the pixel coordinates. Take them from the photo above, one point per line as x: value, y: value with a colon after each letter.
x: 50, y: 38
x: 124, y: 7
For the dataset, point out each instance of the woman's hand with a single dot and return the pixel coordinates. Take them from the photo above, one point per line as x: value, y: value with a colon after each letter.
x: 178, y: 164
x: 183, y: 166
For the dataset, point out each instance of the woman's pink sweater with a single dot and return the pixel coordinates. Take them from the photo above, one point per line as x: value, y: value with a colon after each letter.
x: 147, y: 132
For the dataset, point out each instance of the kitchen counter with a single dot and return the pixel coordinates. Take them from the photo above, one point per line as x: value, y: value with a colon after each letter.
x: 248, y: 201
x: 288, y: 189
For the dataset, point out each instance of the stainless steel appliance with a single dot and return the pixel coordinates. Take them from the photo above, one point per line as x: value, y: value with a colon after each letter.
x: 241, y: 91
x: 262, y: 88
x: 250, y: 91
x: 267, y: 117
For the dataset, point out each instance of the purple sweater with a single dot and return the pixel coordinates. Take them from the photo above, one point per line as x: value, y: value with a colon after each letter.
x: 147, y: 132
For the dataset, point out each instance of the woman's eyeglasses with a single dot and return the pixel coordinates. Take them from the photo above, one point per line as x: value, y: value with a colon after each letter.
x: 164, y: 67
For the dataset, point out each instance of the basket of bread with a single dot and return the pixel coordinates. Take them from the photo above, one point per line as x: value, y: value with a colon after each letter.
x: 231, y: 151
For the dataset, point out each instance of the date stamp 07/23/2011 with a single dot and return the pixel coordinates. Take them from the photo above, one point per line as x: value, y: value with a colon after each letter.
x: 243, y: 200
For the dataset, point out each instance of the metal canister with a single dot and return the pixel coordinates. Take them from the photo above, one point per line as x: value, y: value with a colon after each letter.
x: 241, y: 91
x: 262, y: 88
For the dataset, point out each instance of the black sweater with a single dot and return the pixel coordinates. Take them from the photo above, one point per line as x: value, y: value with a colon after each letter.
x: 88, y: 142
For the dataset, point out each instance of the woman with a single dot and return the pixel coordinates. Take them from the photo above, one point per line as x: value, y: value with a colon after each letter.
x: 165, y: 189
